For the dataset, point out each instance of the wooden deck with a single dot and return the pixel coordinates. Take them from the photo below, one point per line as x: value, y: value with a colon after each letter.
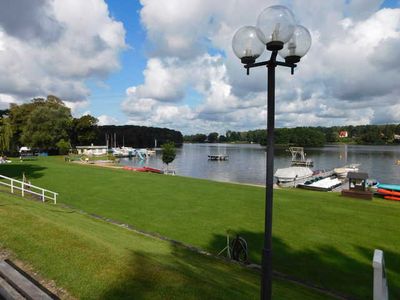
x: 366, y: 195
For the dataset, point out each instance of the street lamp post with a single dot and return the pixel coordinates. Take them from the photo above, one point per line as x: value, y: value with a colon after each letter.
x: 277, y: 31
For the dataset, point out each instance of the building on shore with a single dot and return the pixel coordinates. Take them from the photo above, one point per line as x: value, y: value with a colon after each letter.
x: 92, y: 150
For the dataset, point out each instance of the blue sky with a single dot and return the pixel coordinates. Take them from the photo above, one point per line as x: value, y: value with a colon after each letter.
x: 107, y: 99
x: 170, y: 63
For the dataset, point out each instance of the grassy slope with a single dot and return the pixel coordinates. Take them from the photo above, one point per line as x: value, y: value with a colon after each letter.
x: 95, y: 260
x: 319, y: 237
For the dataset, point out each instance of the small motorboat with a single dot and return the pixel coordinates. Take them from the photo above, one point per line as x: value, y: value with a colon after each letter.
x: 292, y: 174
x: 342, y: 172
x: 322, y: 184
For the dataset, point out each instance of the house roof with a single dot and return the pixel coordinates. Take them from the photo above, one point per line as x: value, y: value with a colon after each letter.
x: 357, y: 175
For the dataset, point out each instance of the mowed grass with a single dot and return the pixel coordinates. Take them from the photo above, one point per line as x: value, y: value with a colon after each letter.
x: 96, y: 260
x: 318, y: 237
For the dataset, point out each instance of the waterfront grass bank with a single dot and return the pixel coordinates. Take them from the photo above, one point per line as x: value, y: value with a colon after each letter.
x: 95, y: 260
x: 321, y: 238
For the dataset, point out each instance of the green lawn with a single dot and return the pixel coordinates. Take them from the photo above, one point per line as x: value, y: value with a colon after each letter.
x: 318, y: 237
x: 96, y: 260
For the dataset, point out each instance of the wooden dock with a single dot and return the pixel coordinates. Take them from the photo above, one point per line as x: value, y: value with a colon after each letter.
x: 218, y: 157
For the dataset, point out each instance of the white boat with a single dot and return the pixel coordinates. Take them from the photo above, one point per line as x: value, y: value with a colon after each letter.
x: 142, y: 153
x: 292, y: 174
x: 123, y: 152
x: 326, y: 183
x: 151, y: 152
x: 342, y: 172
x: 321, y: 184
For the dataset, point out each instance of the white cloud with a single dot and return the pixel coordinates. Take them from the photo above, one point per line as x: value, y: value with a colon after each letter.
x: 107, y: 120
x: 53, y: 46
x: 352, y: 65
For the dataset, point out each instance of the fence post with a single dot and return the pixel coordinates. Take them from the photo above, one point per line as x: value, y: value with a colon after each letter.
x: 43, y: 195
x: 55, y: 198
x: 12, y: 186
x: 380, y: 280
x: 22, y: 189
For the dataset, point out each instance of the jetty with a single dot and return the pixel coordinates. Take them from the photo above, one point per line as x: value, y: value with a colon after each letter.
x: 218, y: 157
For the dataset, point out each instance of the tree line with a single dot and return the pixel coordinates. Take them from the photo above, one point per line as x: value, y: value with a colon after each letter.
x: 136, y: 136
x: 46, y: 124
x: 307, y: 136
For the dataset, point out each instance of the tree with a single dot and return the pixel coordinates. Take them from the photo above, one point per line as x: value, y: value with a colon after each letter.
x: 47, y: 123
x: 5, y: 134
x: 222, y: 139
x: 63, y: 146
x: 212, y: 137
x: 84, y: 130
x: 168, y: 153
x: 307, y: 137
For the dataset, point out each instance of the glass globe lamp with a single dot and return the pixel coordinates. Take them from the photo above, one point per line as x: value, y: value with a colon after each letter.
x: 246, y: 44
x: 276, y: 23
x: 297, y: 46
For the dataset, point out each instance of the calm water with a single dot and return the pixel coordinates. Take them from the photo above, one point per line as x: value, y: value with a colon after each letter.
x: 246, y: 163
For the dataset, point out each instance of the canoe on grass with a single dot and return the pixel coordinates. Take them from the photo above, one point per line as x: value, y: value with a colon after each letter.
x: 392, y: 187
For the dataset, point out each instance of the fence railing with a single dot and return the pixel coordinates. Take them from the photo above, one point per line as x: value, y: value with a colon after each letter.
x: 380, y: 280
x: 27, y: 188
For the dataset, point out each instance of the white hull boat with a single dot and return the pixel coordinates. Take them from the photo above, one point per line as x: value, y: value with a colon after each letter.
x: 342, y: 172
x: 292, y: 174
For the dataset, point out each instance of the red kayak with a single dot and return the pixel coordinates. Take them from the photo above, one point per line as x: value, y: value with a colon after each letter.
x: 392, y: 198
x: 152, y: 170
x: 388, y: 193
x: 143, y: 169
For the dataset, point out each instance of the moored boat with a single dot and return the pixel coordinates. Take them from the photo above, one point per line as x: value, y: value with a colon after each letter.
x: 342, y: 172
x: 292, y: 173
x: 321, y: 184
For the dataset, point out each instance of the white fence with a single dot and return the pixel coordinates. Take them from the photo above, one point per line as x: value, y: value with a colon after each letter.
x: 380, y: 281
x: 27, y: 188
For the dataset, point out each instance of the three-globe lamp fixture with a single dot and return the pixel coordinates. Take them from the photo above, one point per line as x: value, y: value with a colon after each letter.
x: 277, y: 31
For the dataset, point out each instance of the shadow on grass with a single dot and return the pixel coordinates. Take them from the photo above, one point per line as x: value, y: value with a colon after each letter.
x: 180, y: 274
x: 15, y: 170
x: 325, y: 266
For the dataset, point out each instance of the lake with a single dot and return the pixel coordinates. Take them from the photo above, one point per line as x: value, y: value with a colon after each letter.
x: 246, y: 162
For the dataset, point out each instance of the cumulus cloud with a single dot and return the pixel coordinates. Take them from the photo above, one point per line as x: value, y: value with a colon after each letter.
x: 351, y: 67
x: 107, y: 120
x: 38, y: 21
x: 53, y: 46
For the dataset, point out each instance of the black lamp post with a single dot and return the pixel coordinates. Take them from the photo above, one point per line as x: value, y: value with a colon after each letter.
x: 277, y: 31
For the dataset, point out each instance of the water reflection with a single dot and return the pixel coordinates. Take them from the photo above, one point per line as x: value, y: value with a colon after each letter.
x: 247, y: 162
